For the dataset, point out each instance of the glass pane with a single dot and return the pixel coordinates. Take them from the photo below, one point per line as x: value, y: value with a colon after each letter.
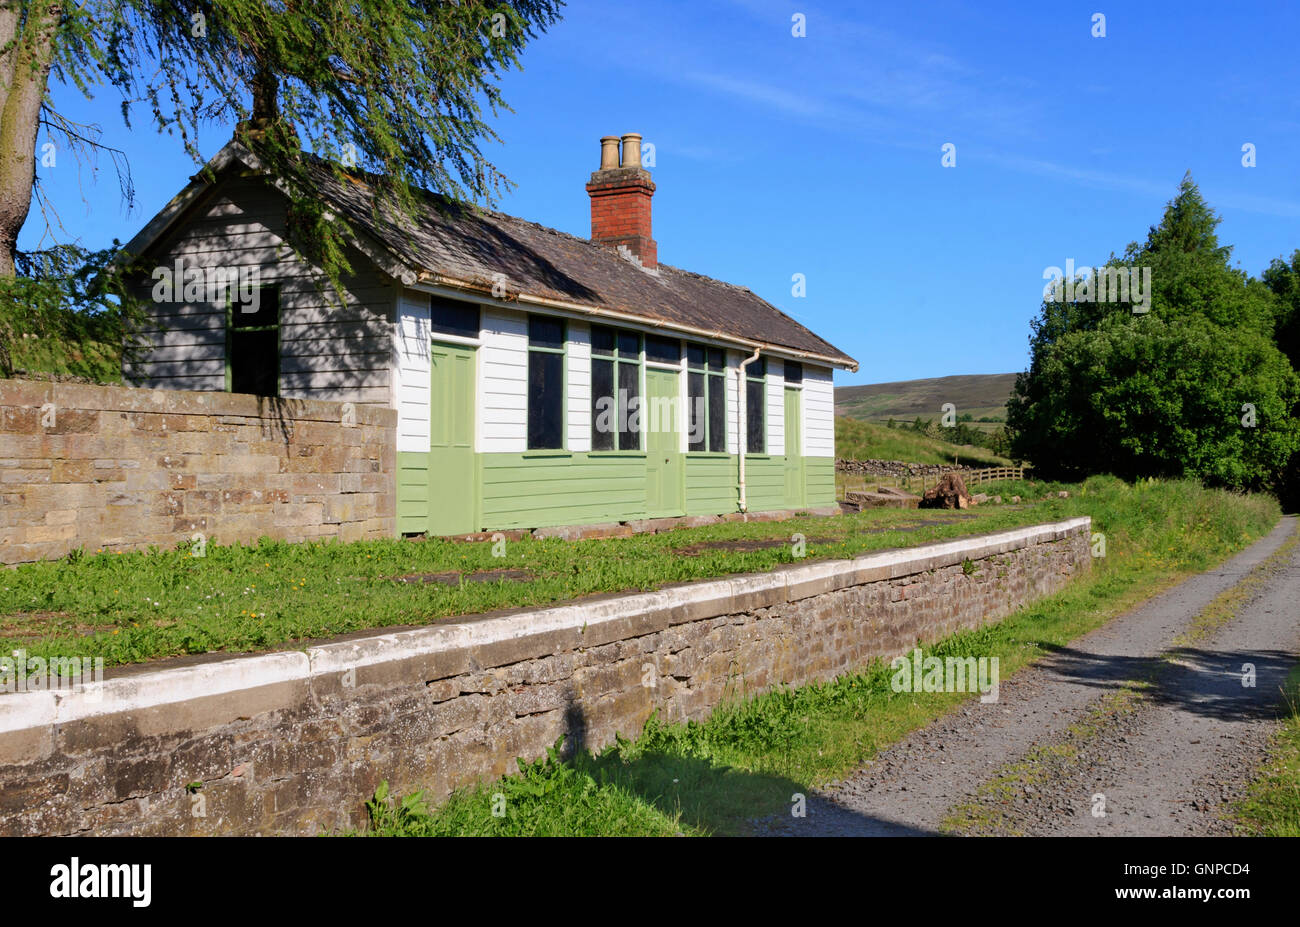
x: 695, y: 411
x: 793, y: 372
x: 449, y: 317
x: 544, y: 332
x: 717, y: 414
x: 263, y: 309
x: 602, y: 340
x: 754, y: 412
x: 545, y: 399
x: 629, y: 389
x: 254, y: 362
x: 758, y: 369
x: 604, y: 406
x: 629, y: 345
x: 695, y: 354
x: 663, y: 350
x: 717, y: 359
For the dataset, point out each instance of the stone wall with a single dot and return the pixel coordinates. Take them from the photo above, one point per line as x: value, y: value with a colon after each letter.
x: 114, y: 468
x: 295, y: 742
x: 897, y: 468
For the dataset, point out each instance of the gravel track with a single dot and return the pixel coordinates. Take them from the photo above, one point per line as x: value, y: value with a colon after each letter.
x: 1167, y: 736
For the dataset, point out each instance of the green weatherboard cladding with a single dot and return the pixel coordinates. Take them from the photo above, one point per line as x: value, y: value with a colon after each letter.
x: 451, y: 489
x: 545, y: 488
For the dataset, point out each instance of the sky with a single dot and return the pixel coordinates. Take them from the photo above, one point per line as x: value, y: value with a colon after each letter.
x: 821, y: 154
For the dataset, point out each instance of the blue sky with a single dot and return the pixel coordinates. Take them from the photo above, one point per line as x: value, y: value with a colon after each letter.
x: 821, y: 155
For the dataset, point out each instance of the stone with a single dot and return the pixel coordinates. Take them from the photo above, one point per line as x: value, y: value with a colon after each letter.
x: 893, y: 500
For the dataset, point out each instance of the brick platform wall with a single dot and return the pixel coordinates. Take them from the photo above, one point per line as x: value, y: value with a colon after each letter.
x: 295, y: 742
x: 114, y: 468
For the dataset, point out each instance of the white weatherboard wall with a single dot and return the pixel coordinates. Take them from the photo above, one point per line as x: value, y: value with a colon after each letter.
x: 775, y: 390
x: 578, y: 365
x: 411, y: 336
x: 819, y: 412
x: 503, y: 383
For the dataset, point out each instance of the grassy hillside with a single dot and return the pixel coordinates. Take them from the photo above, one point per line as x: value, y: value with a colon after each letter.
x: 863, y: 440
x: 980, y: 395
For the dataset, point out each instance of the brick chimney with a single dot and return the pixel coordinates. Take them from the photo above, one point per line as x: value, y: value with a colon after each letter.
x: 620, y: 200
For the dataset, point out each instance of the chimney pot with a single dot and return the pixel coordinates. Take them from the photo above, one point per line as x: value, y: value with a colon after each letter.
x: 609, y: 153
x: 631, y: 150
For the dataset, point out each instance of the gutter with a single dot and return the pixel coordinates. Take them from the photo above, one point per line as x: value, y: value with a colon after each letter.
x: 741, y: 433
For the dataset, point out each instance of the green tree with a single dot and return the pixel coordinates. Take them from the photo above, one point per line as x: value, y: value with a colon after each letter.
x: 1196, y: 386
x: 397, y: 87
x: 1283, y: 279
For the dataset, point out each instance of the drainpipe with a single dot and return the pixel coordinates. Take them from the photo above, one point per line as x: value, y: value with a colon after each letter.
x: 741, y: 432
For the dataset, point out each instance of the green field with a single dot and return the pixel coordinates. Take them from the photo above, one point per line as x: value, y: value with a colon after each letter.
x: 753, y: 756
x: 856, y: 440
x: 979, y: 395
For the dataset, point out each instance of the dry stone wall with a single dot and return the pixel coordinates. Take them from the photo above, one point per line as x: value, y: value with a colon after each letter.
x: 114, y: 468
x: 296, y: 742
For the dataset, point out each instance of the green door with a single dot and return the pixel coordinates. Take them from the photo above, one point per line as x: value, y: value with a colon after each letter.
x: 794, y: 488
x: 452, y: 498
x: 665, y: 473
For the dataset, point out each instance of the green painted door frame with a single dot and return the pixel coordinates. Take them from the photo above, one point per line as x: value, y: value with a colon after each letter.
x: 453, y: 498
x: 795, y: 494
x: 665, y: 476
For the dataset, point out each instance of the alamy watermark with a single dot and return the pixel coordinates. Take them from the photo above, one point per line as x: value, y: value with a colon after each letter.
x: 917, y: 673
x: 638, y: 414
x: 22, y: 673
x: 1111, y: 284
x: 191, y: 284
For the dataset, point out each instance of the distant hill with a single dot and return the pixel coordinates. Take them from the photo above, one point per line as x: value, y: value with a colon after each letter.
x: 863, y: 441
x: 983, y: 395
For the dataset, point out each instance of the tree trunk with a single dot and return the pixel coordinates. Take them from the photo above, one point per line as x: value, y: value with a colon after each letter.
x: 24, y: 72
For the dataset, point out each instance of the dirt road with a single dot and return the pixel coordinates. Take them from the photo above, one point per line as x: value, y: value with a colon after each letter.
x: 1147, y: 726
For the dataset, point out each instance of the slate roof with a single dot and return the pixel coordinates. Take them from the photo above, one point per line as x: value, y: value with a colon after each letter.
x: 473, y: 245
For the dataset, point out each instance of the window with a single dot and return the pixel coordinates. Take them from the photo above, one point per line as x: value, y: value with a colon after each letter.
x: 449, y: 317
x: 615, y: 389
x: 545, y: 383
x: 253, y: 344
x: 663, y: 350
x: 756, y: 407
x: 793, y: 373
x: 706, y: 386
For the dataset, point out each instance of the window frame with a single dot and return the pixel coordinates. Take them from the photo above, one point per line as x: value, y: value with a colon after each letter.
x: 231, y: 330
x: 563, y: 353
x: 448, y: 337
x: 714, y: 378
x: 761, y: 382
x: 616, y: 358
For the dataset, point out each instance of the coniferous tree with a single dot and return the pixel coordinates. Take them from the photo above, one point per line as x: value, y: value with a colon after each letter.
x: 1196, y: 386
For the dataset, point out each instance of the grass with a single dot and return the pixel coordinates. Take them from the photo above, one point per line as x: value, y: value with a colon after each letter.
x: 1272, y: 806
x: 753, y: 755
x: 855, y: 440
x: 134, y: 607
